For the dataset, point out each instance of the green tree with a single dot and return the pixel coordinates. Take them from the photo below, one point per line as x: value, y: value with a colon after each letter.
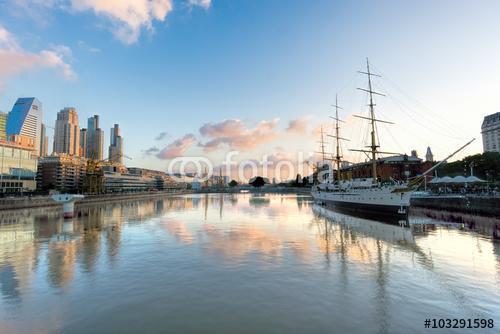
x: 485, y: 165
x: 258, y: 182
x: 233, y: 183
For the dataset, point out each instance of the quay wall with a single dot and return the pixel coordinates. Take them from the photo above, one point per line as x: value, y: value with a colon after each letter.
x: 477, y: 205
x: 46, y: 201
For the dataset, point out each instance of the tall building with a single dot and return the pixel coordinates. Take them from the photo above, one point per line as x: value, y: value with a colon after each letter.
x: 25, y: 119
x: 491, y: 133
x: 3, y: 123
x: 429, y: 157
x: 83, y: 142
x: 44, y: 142
x: 95, y: 139
x: 67, y: 132
x: 116, y: 145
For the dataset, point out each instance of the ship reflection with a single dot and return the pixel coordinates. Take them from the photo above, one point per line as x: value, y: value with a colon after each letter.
x: 356, y: 241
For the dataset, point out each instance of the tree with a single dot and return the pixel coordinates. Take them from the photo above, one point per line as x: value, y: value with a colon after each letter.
x: 486, y: 166
x: 258, y: 182
x: 298, y: 180
x: 233, y: 183
x: 305, y: 181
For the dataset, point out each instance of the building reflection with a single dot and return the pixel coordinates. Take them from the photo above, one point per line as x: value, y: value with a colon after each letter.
x: 70, y: 244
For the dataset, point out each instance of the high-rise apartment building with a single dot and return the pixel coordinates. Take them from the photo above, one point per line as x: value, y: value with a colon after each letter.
x: 44, y: 142
x: 491, y: 133
x: 25, y: 120
x: 67, y: 132
x: 83, y: 142
x: 95, y: 139
x: 3, y: 124
x: 116, y: 145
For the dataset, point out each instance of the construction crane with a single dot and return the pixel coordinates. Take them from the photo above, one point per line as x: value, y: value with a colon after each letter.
x: 94, y: 177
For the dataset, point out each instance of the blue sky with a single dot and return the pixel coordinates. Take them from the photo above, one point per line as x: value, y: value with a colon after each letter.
x: 256, y: 61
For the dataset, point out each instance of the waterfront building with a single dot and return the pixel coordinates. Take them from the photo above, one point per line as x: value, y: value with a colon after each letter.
x: 116, y: 145
x: 399, y: 167
x: 162, y: 179
x: 3, y: 124
x: 429, y: 157
x: 95, y: 139
x: 44, y: 142
x: 490, y: 130
x: 83, y: 142
x: 18, y: 166
x: 127, y: 182
x: 62, y: 172
x: 25, y: 119
x: 67, y: 132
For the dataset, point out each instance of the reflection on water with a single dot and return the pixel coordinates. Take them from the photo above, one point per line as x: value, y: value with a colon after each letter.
x: 238, y: 263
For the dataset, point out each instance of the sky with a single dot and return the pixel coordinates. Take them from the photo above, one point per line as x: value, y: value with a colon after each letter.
x: 205, y: 77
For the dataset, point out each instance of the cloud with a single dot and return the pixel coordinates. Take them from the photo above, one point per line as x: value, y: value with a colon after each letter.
x: 202, y: 3
x: 14, y: 59
x: 162, y: 135
x: 84, y: 46
x: 177, y: 148
x: 234, y: 134
x: 128, y: 17
x: 298, y: 126
x: 152, y: 150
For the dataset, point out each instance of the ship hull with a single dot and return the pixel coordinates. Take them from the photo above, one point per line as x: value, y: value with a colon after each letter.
x: 387, y: 212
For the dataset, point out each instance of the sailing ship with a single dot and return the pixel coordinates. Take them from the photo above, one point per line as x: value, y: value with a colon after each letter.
x: 368, y: 196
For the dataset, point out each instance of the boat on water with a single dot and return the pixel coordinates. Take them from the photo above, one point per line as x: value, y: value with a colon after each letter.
x: 368, y: 196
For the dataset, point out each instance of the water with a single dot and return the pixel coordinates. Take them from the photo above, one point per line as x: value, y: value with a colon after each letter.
x: 238, y: 264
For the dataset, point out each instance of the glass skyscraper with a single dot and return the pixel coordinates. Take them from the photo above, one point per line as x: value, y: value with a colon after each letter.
x: 25, y: 119
x: 116, y: 145
x: 95, y: 139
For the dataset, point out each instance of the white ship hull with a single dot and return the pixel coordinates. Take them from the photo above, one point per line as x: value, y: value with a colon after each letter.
x: 388, y: 201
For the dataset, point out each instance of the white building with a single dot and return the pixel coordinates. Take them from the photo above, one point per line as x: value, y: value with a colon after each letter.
x: 491, y: 133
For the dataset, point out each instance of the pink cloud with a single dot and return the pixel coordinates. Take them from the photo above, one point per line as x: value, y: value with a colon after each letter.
x: 14, y: 59
x: 177, y: 148
x: 298, y: 126
x: 235, y: 135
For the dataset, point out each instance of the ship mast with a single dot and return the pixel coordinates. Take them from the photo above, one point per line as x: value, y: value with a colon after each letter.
x: 322, y: 146
x: 337, y: 137
x: 373, y: 147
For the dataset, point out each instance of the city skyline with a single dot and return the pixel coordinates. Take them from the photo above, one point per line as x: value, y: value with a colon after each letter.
x: 208, y: 81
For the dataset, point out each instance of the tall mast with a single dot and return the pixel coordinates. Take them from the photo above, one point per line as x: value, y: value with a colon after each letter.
x: 322, y: 146
x: 337, y: 137
x: 374, y: 145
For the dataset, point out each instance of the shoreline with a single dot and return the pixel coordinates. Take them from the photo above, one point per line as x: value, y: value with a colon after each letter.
x: 19, y: 203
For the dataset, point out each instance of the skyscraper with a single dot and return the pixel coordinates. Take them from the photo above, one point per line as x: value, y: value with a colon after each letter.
x: 44, y: 142
x: 116, y: 145
x: 95, y: 139
x: 3, y: 123
x: 25, y: 120
x: 67, y: 132
x: 83, y: 142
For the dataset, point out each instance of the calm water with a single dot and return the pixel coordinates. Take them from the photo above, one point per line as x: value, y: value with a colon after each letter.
x: 238, y: 264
